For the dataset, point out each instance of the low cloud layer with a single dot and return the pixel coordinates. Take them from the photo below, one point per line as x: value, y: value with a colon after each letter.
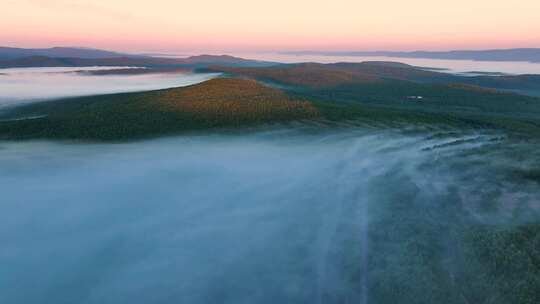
x: 277, y: 216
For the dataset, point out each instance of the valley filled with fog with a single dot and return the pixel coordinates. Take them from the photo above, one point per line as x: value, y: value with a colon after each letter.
x: 305, y: 211
x: 24, y: 85
x: 284, y: 214
x: 269, y: 152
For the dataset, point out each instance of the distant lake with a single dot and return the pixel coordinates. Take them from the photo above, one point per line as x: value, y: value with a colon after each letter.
x: 19, y: 85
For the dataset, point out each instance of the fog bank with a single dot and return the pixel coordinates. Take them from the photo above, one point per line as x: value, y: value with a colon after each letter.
x: 277, y: 216
x: 19, y: 85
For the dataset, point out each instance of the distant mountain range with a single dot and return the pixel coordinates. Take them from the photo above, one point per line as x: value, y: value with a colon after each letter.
x: 523, y: 54
x: 82, y: 57
x: 79, y: 57
x: 7, y: 53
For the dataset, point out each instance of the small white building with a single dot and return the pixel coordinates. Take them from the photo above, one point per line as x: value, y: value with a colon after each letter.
x: 417, y: 98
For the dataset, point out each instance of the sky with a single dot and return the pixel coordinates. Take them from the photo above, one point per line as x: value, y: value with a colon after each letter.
x: 271, y: 25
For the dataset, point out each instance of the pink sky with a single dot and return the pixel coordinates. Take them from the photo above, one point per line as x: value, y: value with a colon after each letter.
x: 219, y: 25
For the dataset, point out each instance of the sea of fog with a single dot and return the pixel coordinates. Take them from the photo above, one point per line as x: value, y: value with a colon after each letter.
x: 462, y: 67
x: 22, y: 85
x: 289, y: 214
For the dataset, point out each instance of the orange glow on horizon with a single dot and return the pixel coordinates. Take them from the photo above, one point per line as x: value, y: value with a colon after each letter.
x: 167, y: 25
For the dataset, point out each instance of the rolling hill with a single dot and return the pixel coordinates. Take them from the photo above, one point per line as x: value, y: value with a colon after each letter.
x: 212, y: 104
x: 316, y: 75
x: 373, y: 93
